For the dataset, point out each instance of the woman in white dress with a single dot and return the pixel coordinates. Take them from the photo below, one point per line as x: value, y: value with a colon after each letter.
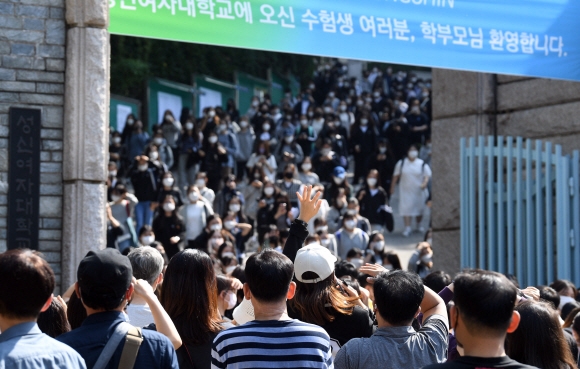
x: 413, y: 175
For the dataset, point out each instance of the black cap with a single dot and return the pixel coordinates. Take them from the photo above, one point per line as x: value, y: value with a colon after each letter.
x: 106, y: 273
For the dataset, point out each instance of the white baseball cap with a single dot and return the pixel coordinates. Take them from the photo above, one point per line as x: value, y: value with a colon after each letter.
x: 314, y: 258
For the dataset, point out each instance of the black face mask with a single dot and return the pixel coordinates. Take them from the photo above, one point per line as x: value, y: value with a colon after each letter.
x: 274, y: 240
x: 288, y: 175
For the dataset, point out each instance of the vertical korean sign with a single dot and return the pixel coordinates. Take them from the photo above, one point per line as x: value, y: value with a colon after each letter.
x: 537, y: 38
x: 23, y: 178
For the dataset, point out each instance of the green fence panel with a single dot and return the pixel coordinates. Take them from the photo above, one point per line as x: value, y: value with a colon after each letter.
x: 163, y: 94
x: 212, y: 92
x: 119, y: 108
x: 250, y: 86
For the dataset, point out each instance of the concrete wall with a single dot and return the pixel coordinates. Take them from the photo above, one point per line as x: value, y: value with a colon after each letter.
x: 32, y: 65
x: 469, y: 104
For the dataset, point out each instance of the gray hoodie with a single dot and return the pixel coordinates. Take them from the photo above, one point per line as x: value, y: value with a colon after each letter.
x: 245, y: 144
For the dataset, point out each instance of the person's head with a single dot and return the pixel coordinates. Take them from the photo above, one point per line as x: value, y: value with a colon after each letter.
x: 398, y: 295
x: 289, y: 171
x: 112, y: 168
x: 316, y: 286
x: 168, y: 179
x: 570, y: 317
x: 169, y: 205
x: 353, y: 207
x: 104, y: 280
x: 189, y: 295
x: 235, y: 205
x: 425, y: 252
x: 193, y: 194
x: 377, y: 242
x: 230, y: 182
x: 484, y: 306
x: 373, y: 178
x: 413, y: 152
x: 269, y: 277
x: 539, y: 339
x: 119, y: 192
x: 550, y: 295
x: 214, y: 223
x: 215, y: 240
x: 147, y: 264
x: 75, y: 312
x: 306, y: 165
x: 53, y: 321
x: 201, y: 180
x: 226, y: 293
x: 576, y: 328
x: 349, y: 222
x: 391, y: 261
x: 212, y: 138
x: 567, y: 308
x: 437, y: 280
x: 27, y: 284
x: 564, y: 288
x: 263, y: 148
x: 146, y: 235
x: 269, y: 189
x: 345, y: 270
x: 338, y: 175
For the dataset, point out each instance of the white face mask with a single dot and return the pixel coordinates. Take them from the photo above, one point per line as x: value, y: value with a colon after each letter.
x: 321, y: 229
x: 235, y: 207
x: 372, y: 182
x: 289, y: 139
x: 243, y: 124
x: 189, y: 126
x: 413, y: 154
x: 304, y: 122
x: 200, y: 183
x: 194, y: 196
x: 364, y: 122
x: 143, y: 167
x: 168, y: 118
x: 255, y: 103
x: 215, y: 242
x: 115, y: 198
x: 388, y: 266
x: 112, y: 173
x: 130, y: 121
x: 168, y: 182
x: 328, y: 110
x: 337, y: 180
x: 351, y: 212
x: 117, y: 140
x: 147, y: 240
x: 382, y: 150
x: 157, y: 141
x: 325, y: 152
x: 169, y: 206
x: 350, y: 224
x: 269, y: 191
x: 310, y: 114
x: 306, y: 167
x: 379, y: 246
x: 231, y: 298
x: 325, y: 242
x: 357, y: 262
x: 230, y: 224
x: 212, y: 139
x: 426, y: 258
x: 153, y: 155
x: 266, y: 127
x: 223, y: 127
x: 216, y: 227
x: 211, y: 113
x: 342, y: 108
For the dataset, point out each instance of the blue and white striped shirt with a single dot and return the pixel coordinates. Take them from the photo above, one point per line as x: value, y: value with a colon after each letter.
x: 272, y: 344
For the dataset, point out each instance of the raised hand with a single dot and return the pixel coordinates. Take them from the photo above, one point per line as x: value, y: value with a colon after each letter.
x: 308, y: 206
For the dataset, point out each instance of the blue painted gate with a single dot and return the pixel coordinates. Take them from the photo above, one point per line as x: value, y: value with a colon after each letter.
x: 520, y: 209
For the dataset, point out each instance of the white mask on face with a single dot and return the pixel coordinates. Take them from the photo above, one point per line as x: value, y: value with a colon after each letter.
x: 357, y: 262
x: 194, y: 196
x: 112, y: 173
x: 215, y: 242
x: 325, y: 242
x: 168, y: 182
x: 116, y: 140
x: 372, y: 182
x: 304, y: 122
x: 413, y: 154
x: 147, y: 240
x: 289, y: 139
x: 216, y: 227
x: 325, y: 151
x: 388, y: 266
x: 337, y: 180
x: 235, y: 207
x: 158, y: 141
x: 306, y: 167
x: 231, y: 298
x: 426, y: 258
x: 143, y: 167
x: 169, y: 206
x: 382, y: 150
x: 351, y: 212
x: 200, y: 182
x: 212, y: 139
x: 223, y: 127
x: 269, y: 191
x: 266, y: 127
x: 342, y: 108
x: 153, y: 155
x: 350, y: 224
x: 115, y: 198
x: 211, y: 113
x: 310, y: 114
x: 243, y: 124
x: 379, y: 246
x: 364, y: 122
x: 230, y: 224
x: 189, y: 126
x: 130, y: 121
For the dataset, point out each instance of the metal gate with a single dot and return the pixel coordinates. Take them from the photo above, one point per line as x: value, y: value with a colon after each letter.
x: 520, y: 209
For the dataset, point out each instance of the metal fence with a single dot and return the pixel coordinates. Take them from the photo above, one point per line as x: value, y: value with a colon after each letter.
x: 520, y: 209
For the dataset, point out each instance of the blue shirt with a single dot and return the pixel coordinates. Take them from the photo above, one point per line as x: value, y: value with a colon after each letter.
x: 24, y: 346
x: 90, y: 338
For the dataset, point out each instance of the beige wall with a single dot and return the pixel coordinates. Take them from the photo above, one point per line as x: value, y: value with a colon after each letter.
x: 469, y: 104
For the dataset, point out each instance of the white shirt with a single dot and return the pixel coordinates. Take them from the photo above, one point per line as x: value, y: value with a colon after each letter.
x: 194, y: 220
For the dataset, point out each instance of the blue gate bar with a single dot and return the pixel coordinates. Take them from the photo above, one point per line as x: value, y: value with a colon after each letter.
x: 576, y: 217
x: 464, y: 202
x: 481, y: 204
x: 510, y: 207
x: 501, y: 256
x: 540, y: 258
x: 561, y: 193
x: 472, y: 202
x: 564, y: 248
x: 519, y: 212
x: 549, y: 214
x: 530, y: 244
x: 491, y: 264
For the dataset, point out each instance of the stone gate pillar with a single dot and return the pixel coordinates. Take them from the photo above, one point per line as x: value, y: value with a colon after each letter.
x: 86, y: 121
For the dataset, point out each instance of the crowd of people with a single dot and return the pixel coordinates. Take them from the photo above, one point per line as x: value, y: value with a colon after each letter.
x: 299, y: 308
x: 226, y: 182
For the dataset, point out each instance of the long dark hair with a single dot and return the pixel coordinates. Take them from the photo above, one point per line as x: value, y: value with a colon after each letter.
x: 189, y: 296
x: 311, y: 300
x: 539, y: 340
x: 53, y: 321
